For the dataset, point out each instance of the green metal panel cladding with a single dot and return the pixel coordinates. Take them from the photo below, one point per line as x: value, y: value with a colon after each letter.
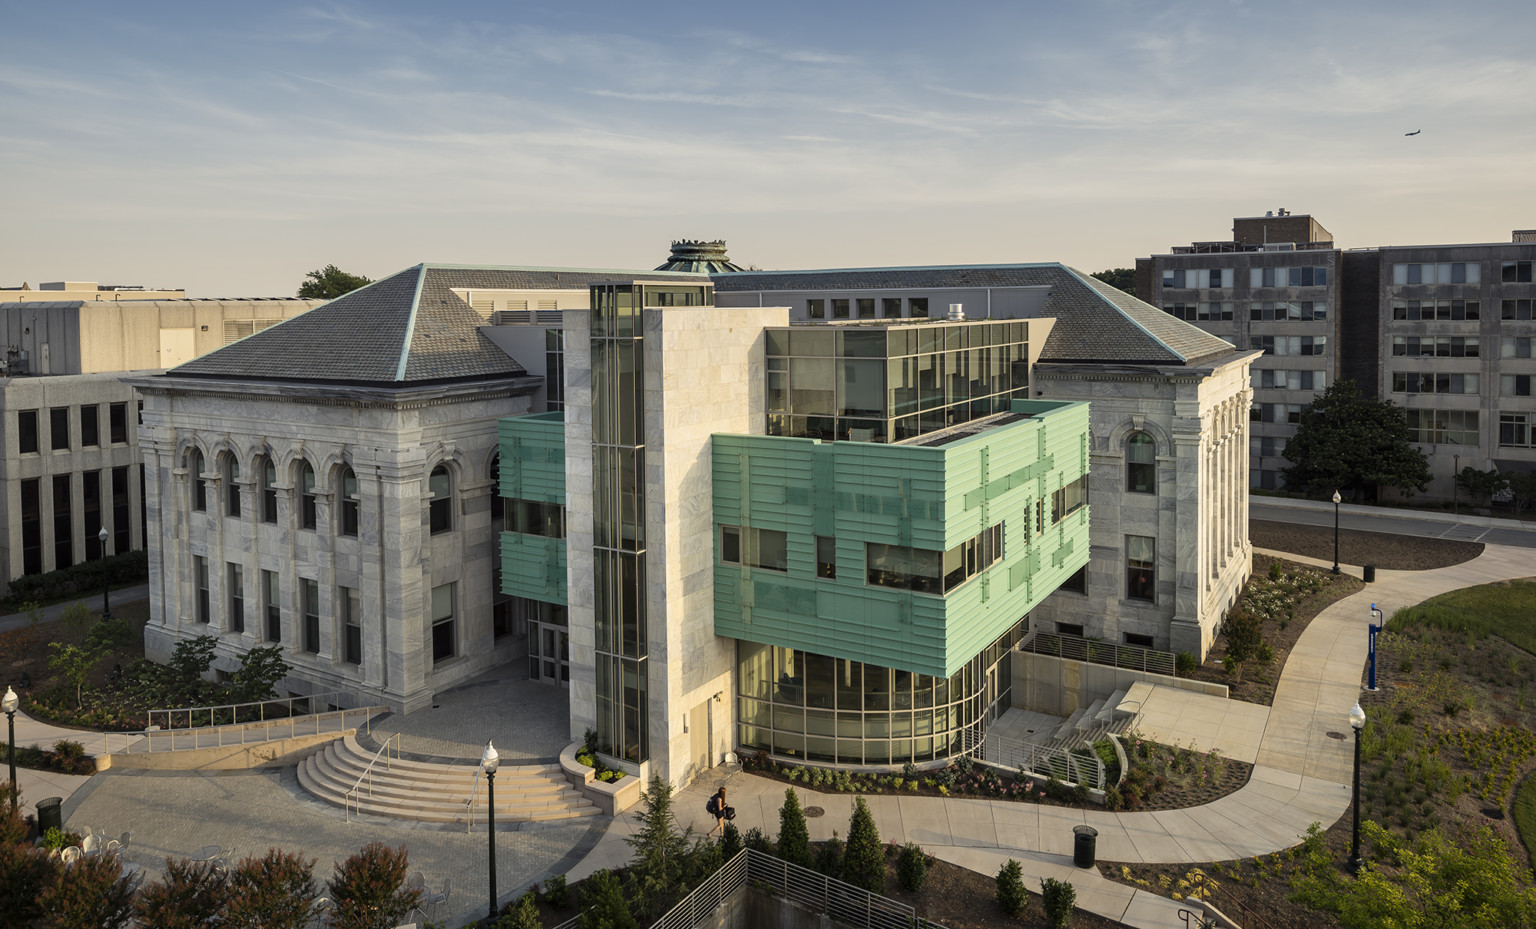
x: 933, y: 498
x: 533, y: 468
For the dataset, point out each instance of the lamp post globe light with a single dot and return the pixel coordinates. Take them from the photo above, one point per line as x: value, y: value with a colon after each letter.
x: 106, y: 612
x: 1336, y: 501
x: 1356, y: 722
x: 489, y: 762
x: 9, y: 704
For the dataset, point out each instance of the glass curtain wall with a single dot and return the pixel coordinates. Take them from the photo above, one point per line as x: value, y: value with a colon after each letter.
x: 832, y: 710
x: 888, y: 383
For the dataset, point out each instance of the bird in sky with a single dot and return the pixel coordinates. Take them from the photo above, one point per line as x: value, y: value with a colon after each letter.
x: 1414, y: 132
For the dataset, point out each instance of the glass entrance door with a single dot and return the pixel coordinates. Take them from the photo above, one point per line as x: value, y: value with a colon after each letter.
x: 549, y: 654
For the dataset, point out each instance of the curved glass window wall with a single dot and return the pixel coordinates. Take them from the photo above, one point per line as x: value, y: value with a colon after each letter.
x: 832, y: 710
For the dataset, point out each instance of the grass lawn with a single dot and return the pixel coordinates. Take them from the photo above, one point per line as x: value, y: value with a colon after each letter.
x: 1504, y: 610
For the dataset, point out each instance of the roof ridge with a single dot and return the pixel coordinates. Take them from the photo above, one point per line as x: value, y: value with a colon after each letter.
x: 1093, y: 285
x: 410, y: 323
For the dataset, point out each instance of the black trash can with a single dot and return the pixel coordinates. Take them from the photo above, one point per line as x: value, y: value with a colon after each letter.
x: 1084, y: 844
x: 1369, y: 573
x: 50, y: 814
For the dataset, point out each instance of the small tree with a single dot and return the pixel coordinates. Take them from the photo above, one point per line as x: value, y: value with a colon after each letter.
x: 368, y: 892
x: 1480, y: 486
x: 193, y: 895
x: 330, y: 282
x: 1245, y: 637
x: 1522, y: 489
x: 25, y: 873
x: 1059, y: 898
x: 829, y: 858
x: 603, y: 904
x: 863, y: 858
x: 260, y: 670
x: 1347, y: 441
x: 73, y: 663
x: 794, y: 836
x: 1011, y: 895
x: 274, y: 892
x: 75, y: 620
x: 92, y: 893
x: 656, y: 865
x: 524, y: 914
x: 912, y: 867
x: 730, y: 841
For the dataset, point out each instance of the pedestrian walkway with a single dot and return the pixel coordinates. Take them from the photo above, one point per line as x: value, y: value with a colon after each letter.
x: 1301, y: 775
x: 117, y: 598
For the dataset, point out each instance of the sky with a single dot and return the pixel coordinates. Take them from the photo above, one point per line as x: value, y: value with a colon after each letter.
x: 229, y: 148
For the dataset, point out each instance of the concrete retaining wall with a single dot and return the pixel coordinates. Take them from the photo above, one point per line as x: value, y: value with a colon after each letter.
x: 221, y: 758
x: 1059, y: 686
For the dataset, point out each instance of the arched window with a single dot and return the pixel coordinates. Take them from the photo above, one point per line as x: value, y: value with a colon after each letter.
x: 199, y: 483
x: 306, y: 496
x: 347, y: 485
x: 231, y: 484
x: 441, y: 509
x: 1140, y: 464
x: 268, y: 473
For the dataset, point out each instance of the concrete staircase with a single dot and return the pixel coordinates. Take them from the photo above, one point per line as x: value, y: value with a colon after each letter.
x: 436, y: 792
x: 1091, y: 723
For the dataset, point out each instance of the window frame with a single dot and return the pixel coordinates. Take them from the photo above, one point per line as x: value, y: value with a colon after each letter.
x: 444, y: 621
x: 55, y: 434
x: 311, y: 637
x: 230, y: 471
x: 90, y: 415
x: 1140, y: 573
x: 117, y: 423
x: 235, y: 576
x: 199, y: 483
x: 348, y: 512
x: 267, y: 476
x: 200, y: 578
x: 306, y: 487
x: 1140, y: 476
x: 351, y: 612
x: 272, y: 605
x: 440, y: 504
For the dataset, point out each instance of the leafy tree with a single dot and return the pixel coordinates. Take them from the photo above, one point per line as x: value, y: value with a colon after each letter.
x: 25, y: 873
x: 192, y: 658
x: 604, y: 906
x: 1349, y: 442
x: 330, y: 282
x: 92, y: 893
x: 260, y: 670
x: 660, y: 851
x: 794, y: 835
x: 368, y: 890
x: 524, y: 914
x: 192, y: 896
x: 912, y: 867
x: 1123, y: 278
x: 863, y: 858
x: 73, y: 663
x: 276, y: 891
x: 109, y: 635
x: 1011, y: 895
x: 1523, y: 489
x: 1245, y: 637
x: 75, y: 620
x: 1059, y: 898
x: 1480, y: 485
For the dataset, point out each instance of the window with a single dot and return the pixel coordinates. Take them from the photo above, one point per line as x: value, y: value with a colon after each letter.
x: 117, y: 417
x: 1077, y: 583
x: 231, y: 484
x: 236, y: 598
x: 1266, y: 446
x: 1287, y: 310
x: 1140, y: 568
x: 554, y: 370
x: 1458, y: 272
x: 1138, y: 640
x: 930, y: 572
x: 1434, y: 383
x: 90, y: 435
x: 532, y: 517
x: 757, y: 548
x: 917, y: 307
x: 90, y: 486
x: 311, y: 616
x: 1275, y: 413
x: 1197, y: 278
x: 816, y: 309
x: 826, y: 557
x: 351, y: 625
x: 32, y: 527
x: 1436, y: 346
x: 26, y: 431
x: 200, y: 564
x: 1514, y: 348
x: 441, y: 508
x: 1140, y: 463
x: 1214, y: 312
x: 972, y: 557
x: 58, y: 427
x: 1074, y: 629
x: 1069, y: 499
x: 1291, y: 344
x: 1515, y: 385
x: 1515, y: 272
x: 866, y: 308
x: 272, y: 603
x: 1442, y: 427
x: 122, y: 523
x: 306, y: 495
x: 1418, y: 310
x: 199, y: 483
x: 839, y: 309
x: 349, y: 501
x: 1515, y: 430
x: 891, y: 307
x: 442, y: 623
x: 1314, y: 276
x: 268, y: 472
x: 1184, y: 311
x: 1519, y: 310
x: 63, y: 527
x: 1275, y: 379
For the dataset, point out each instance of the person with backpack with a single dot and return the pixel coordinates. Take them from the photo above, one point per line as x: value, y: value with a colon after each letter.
x: 716, y: 807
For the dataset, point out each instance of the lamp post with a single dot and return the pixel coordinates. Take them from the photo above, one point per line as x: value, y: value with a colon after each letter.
x: 488, y: 762
x: 1455, y: 498
x: 1356, y: 722
x: 9, y: 704
x: 1336, y: 501
x: 106, y: 611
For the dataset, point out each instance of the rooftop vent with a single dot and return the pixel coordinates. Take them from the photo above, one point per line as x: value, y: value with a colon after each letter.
x: 1523, y: 235
x: 956, y: 312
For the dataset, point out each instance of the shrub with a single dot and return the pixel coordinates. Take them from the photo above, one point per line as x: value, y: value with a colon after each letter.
x: 127, y: 568
x: 1113, y: 802
x: 192, y: 896
x: 92, y: 894
x: 556, y: 893
x: 829, y: 857
x: 912, y: 867
x: 524, y: 914
x: 756, y: 840
x: 730, y: 841
x: 794, y: 836
x: 656, y: 865
x: 276, y: 891
x: 604, y: 904
x: 25, y: 873
x: 1185, y: 664
x: 1011, y: 895
x: 863, y: 860
x: 368, y: 892
x: 1059, y: 899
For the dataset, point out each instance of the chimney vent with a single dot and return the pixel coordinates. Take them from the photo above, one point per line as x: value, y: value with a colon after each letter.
x: 956, y: 312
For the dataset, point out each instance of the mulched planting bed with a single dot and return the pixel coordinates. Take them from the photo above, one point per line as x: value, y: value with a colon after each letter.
x: 1385, y: 550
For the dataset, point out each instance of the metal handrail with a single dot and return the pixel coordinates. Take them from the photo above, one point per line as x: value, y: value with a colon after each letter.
x: 1045, y: 760
x: 233, y: 709
x: 1130, y: 657
x: 164, y: 740
x: 351, y: 795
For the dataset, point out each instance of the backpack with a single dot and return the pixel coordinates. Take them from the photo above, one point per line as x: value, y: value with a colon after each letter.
x: 712, y: 806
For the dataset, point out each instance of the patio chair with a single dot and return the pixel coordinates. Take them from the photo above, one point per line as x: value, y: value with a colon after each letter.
x: 70, y: 855
x: 434, y: 900
x: 90, y: 845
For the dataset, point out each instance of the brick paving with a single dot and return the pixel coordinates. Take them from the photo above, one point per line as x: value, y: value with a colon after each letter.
x: 527, y: 720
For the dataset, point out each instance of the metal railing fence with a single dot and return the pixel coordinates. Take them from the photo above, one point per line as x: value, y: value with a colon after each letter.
x: 1130, y: 657
x: 256, y: 711
x: 1042, y: 760
x: 252, y: 733
x: 353, y: 796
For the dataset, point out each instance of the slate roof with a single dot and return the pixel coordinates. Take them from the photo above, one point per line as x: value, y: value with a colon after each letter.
x: 408, y: 328
x: 1094, y: 321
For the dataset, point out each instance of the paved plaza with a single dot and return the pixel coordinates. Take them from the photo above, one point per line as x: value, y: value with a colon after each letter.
x: 528, y: 721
